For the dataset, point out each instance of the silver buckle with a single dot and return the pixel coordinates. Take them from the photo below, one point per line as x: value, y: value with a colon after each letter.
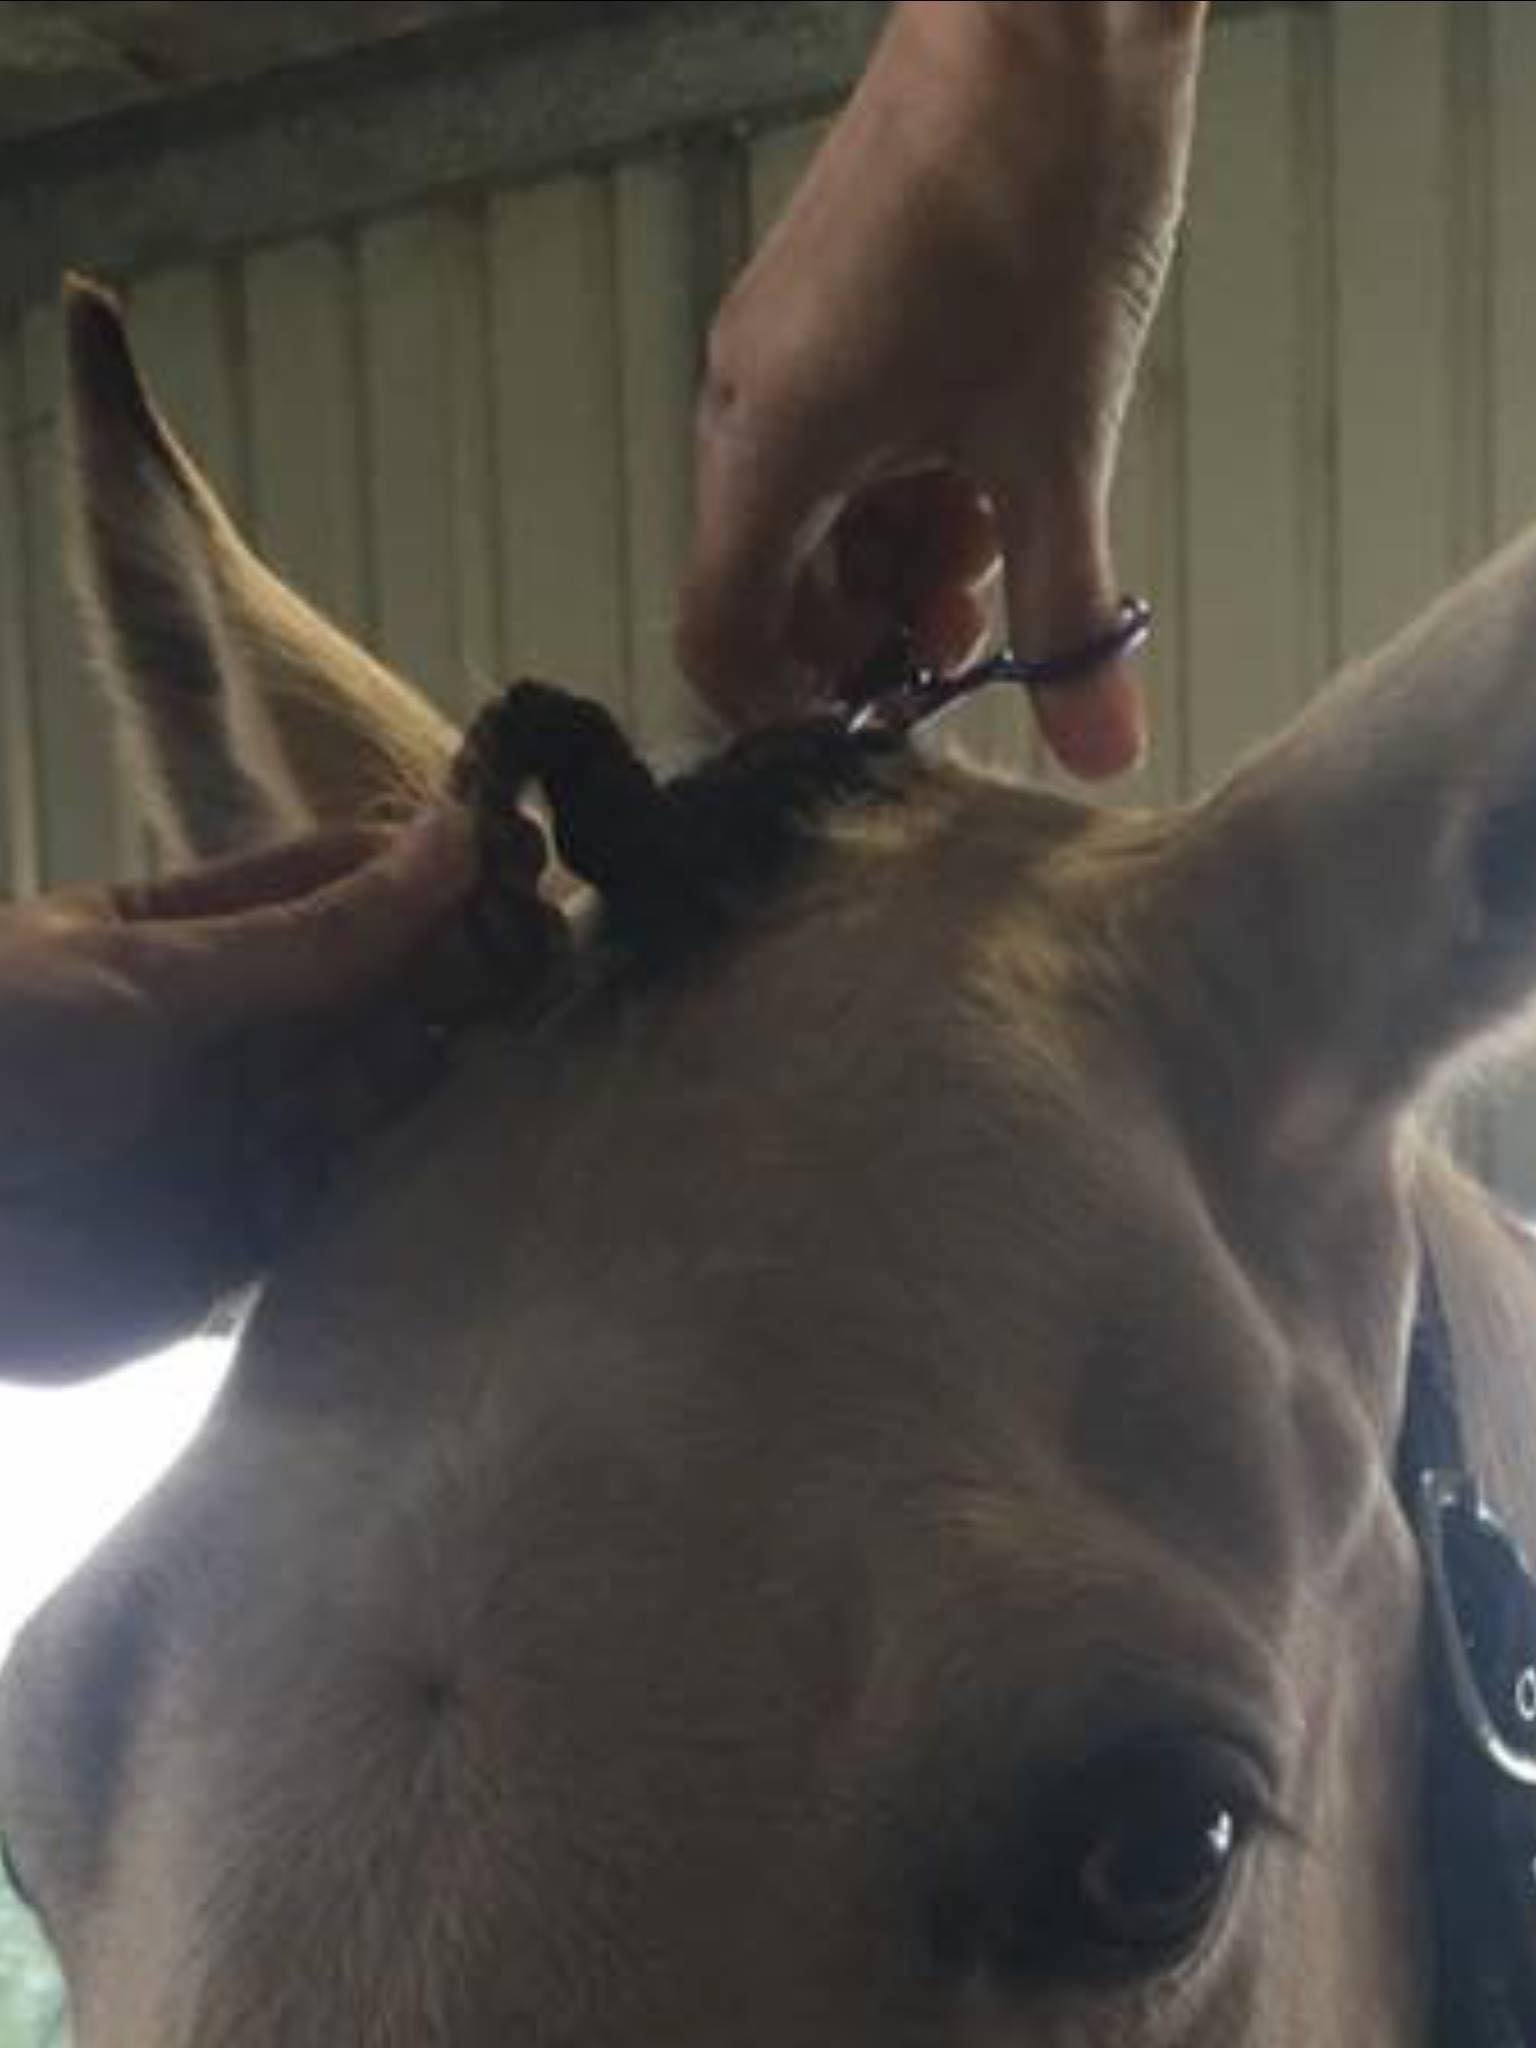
x: 1479, y: 1586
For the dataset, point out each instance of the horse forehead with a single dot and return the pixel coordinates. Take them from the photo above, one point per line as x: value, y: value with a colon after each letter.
x: 882, y: 1195
x: 996, y: 1289
x: 885, y: 1192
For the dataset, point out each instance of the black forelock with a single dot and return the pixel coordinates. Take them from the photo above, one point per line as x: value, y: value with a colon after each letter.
x: 676, y: 864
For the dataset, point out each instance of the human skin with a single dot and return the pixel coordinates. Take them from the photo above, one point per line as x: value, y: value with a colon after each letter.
x: 919, y: 383
x: 151, y: 1040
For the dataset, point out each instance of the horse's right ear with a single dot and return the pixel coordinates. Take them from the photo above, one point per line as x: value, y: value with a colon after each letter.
x: 246, y: 714
x: 1357, y: 906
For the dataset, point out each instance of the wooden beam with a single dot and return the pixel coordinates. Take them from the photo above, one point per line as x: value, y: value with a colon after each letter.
x: 374, y: 131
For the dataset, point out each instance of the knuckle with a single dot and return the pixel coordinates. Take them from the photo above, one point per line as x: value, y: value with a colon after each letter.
x: 1139, y: 273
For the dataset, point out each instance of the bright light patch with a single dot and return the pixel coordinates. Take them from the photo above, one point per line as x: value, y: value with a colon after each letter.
x: 73, y: 1460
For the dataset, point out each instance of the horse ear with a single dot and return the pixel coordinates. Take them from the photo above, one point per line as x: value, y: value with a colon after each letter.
x: 1360, y: 898
x: 245, y: 713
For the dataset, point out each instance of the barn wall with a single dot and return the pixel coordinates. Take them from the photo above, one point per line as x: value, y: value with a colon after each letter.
x: 463, y: 427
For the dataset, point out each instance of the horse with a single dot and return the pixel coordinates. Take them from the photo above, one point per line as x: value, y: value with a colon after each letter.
x: 835, y: 1483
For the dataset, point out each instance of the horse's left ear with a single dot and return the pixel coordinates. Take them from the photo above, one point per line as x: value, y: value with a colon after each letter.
x: 247, y: 715
x: 1358, y: 904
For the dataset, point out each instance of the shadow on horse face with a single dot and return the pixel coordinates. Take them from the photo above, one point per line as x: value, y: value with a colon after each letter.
x: 840, y: 1492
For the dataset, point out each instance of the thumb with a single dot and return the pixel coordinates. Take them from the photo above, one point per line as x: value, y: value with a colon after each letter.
x: 306, y: 952
x: 1059, y: 576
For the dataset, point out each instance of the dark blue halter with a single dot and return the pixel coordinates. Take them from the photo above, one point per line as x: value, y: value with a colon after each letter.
x: 1480, y: 1753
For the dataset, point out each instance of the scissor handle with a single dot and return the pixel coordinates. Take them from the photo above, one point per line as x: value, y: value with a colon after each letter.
x: 896, y: 693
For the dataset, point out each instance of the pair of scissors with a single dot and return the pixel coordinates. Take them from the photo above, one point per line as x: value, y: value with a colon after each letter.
x: 895, y: 693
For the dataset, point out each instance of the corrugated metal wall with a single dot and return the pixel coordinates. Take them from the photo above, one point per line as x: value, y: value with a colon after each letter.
x: 464, y: 430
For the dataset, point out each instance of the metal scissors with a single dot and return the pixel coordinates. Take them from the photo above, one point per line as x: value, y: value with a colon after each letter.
x: 895, y: 693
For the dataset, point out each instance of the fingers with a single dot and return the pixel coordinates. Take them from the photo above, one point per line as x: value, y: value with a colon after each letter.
x: 288, y: 954
x: 1060, y: 581
x: 914, y: 534
x: 920, y: 553
x: 1096, y: 727
x: 952, y: 627
x: 273, y: 874
x: 916, y: 552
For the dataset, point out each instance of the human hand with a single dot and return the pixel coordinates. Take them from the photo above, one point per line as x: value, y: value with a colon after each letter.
x: 165, y: 1055
x: 922, y: 377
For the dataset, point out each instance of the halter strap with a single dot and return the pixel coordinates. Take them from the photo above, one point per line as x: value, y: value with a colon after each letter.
x: 1480, y: 1750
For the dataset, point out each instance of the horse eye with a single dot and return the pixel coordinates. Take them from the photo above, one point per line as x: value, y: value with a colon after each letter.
x: 1154, y: 1877
x: 1120, y: 1872
x: 1149, y: 1851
